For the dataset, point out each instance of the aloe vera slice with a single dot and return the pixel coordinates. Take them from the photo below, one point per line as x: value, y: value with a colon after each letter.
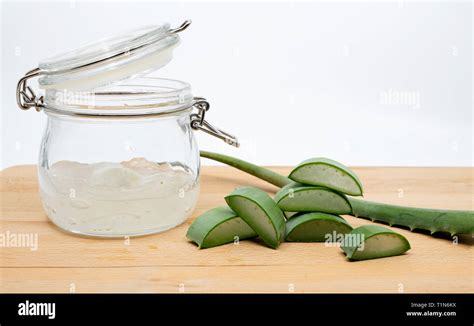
x: 316, y: 227
x: 320, y: 171
x: 373, y: 241
x: 259, y: 210
x: 218, y: 226
x: 296, y: 197
x: 433, y: 220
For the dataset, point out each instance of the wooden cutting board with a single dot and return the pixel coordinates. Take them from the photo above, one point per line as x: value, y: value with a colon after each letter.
x: 167, y: 262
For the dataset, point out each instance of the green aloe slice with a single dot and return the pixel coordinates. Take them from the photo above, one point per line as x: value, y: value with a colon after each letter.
x: 434, y: 220
x: 328, y: 173
x: 296, y: 197
x: 218, y: 226
x: 316, y: 227
x: 259, y: 210
x: 373, y: 241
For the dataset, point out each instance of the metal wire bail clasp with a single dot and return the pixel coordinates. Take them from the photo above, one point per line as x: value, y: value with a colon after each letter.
x: 25, y: 97
x: 199, y: 123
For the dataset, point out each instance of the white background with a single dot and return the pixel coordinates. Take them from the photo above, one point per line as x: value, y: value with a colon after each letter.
x: 378, y: 84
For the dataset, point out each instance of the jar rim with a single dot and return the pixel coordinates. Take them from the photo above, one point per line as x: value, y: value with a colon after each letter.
x: 133, y: 97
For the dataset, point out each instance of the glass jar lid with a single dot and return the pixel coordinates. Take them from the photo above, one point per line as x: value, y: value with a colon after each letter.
x: 112, y: 59
x: 89, y: 81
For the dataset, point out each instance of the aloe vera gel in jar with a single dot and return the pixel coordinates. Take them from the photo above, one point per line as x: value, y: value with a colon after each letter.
x: 118, y: 155
x: 127, y: 198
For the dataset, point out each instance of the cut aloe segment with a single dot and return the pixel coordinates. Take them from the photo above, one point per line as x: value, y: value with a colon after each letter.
x: 296, y: 197
x: 218, y: 226
x: 434, y: 220
x: 373, y: 241
x: 316, y: 227
x: 328, y: 173
x: 259, y: 210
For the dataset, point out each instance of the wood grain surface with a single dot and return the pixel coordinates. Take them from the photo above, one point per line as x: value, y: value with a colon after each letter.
x: 167, y: 262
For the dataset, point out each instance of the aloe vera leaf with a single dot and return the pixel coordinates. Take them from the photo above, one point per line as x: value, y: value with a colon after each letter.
x: 259, y: 210
x: 463, y: 223
x: 296, y: 197
x: 433, y: 220
x: 218, y: 226
x: 258, y: 171
x: 373, y: 241
x: 320, y: 171
x: 315, y: 227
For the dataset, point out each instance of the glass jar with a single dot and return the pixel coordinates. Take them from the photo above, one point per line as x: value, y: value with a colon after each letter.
x: 118, y: 155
